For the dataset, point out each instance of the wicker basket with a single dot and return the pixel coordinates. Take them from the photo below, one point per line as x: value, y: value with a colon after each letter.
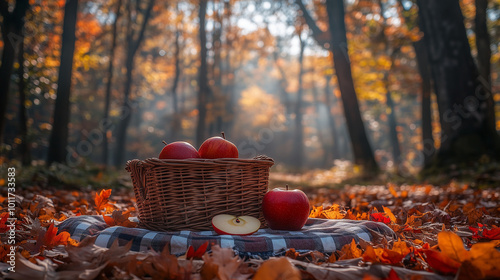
x: 175, y: 195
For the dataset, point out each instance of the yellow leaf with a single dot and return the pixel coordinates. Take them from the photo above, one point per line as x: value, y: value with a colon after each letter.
x: 389, y: 214
x: 452, y: 246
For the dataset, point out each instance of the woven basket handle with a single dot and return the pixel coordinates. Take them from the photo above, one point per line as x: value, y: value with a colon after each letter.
x: 136, y: 169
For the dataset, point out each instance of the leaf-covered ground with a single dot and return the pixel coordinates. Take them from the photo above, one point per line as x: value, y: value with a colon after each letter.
x: 444, y: 232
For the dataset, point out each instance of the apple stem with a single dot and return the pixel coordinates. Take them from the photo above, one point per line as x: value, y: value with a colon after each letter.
x: 237, y: 220
x: 164, y: 142
x: 223, y: 135
x: 286, y: 186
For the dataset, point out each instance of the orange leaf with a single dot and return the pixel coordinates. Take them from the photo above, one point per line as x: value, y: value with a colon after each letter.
x: 389, y: 214
x: 52, y: 239
x: 485, y: 256
x: 279, y: 268
x: 452, y: 246
x: 350, y: 251
x: 102, y: 199
x: 441, y: 262
x: 316, y: 212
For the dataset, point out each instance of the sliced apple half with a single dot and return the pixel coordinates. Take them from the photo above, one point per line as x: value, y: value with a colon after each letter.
x: 232, y: 225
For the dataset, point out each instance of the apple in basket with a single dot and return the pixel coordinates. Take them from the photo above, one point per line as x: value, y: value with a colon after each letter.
x: 285, y: 209
x: 178, y: 150
x: 218, y: 147
x: 229, y: 224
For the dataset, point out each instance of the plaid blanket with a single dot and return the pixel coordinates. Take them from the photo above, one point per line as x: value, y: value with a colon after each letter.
x: 318, y: 234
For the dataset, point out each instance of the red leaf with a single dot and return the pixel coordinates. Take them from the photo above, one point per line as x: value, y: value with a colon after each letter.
x: 199, y: 252
x: 484, y: 233
x: 52, y: 239
x: 441, y: 262
x: 380, y: 217
x: 393, y: 275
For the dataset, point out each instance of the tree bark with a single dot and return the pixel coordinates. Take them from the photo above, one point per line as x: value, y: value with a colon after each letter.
x: 202, y: 77
x: 425, y: 75
x: 324, y: 145
x: 483, y: 44
x: 391, y: 118
x: 176, y: 122
x: 363, y: 154
x: 133, y: 44
x: 107, y: 103
x: 60, y: 131
x: 336, y: 41
x: 466, y: 130
x: 426, y: 87
x: 12, y: 28
x: 24, y: 147
x: 298, y: 139
x: 331, y: 119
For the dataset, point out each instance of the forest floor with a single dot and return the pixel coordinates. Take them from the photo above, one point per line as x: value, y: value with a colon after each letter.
x: 449, y: 230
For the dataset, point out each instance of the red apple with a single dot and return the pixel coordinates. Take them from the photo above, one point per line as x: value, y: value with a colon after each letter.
x: 285, y: 209
x: 178, y: 150
x: 229, y: 224
x: 218, y: 147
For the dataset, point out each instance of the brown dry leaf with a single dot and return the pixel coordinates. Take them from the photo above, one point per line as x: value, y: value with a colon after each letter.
x: 350, y: 251
x: 452, y: 246
x: 221, y: 262
x: 277, y: 269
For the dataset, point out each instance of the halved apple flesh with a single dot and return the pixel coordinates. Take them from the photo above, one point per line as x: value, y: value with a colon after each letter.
x: 232, y: 225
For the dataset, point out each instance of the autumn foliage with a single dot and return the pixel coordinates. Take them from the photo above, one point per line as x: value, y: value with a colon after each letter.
x: 452, y: 230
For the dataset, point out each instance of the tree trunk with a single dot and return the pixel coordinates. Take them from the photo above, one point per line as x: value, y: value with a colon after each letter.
x: 466, y: 130
x: 483, y: 44
x: 107, y: 103
x: 298, y: 139
x: 202, y: 79
x: 324, y: 145
x: 331, y: 120
x: 12, y: 34
x: 425, y: 75
x: 60, y: 131
x: 176, y: 122
x: 133, y: 45
x: 363, y: 154
x: 391, y: 118
x: 24, y: 147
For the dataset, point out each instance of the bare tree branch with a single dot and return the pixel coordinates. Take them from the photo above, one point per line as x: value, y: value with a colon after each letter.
x: 322, y: 37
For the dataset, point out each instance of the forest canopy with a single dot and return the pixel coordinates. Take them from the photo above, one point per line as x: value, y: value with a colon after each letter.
x: 309, y: 83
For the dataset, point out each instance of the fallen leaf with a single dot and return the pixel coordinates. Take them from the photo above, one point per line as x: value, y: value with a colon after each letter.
x: 221, y: 262
x: 389, y: 214
x: 486, y: 258
x: 452, y: 246
x: 277, y: 269
x: 350, y: 251
x: 191, y: 253
x: 441, y: 262
x: 102, y: 199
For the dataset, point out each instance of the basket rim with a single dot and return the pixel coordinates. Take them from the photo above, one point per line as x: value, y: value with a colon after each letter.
x: 156, y: 161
